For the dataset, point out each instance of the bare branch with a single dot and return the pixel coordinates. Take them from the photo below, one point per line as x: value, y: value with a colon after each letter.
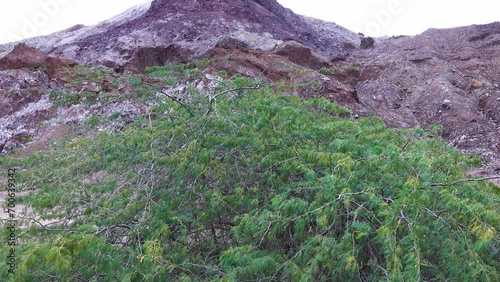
x: 465, y: 180
x: 173, y: 98
x: 236, y: 89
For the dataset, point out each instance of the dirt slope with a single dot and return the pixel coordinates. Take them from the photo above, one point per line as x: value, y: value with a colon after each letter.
x: 448, y: 77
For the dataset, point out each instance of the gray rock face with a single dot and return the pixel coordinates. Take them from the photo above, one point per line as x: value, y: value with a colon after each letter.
x: 22, y: 106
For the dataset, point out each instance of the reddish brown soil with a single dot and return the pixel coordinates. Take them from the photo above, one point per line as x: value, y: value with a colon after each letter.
x: 23, y: 56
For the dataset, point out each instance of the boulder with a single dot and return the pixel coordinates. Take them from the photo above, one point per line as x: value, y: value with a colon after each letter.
x: 23, y: 56
x: 157, y: 56
x: 367, y: 43
x: 301, y: 55
x: 476, y: 84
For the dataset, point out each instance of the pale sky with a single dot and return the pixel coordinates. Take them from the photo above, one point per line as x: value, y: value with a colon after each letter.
x: 28, y: 18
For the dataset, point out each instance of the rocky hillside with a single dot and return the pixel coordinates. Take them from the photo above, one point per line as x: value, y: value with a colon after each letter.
x: 262, y: 33
x: 234, y: 140
x: 448, y: 77
x: 443, y: 77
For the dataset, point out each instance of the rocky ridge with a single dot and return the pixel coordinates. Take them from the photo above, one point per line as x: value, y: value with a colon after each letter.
x: 184, y: 30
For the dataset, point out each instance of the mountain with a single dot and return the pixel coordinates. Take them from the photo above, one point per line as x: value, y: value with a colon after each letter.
x: 234, y: 140
x: 183, y: 30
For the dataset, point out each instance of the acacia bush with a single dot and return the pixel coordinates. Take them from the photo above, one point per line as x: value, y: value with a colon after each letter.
x: 257, y: 186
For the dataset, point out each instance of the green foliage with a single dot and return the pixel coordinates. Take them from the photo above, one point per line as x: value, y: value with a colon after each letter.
x: 114, y: 116
x: 261, y: 187
x: 80, y: 74
x: 436, y: 129
x: 61, y: 98
x: 327, y: 70
x: 135, y: 82
x: 92, y: 121
x: 184, y: 72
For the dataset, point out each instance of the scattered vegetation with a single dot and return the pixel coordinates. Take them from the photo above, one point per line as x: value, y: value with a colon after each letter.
x: 81, y: 74
x: 327, y: 70
x: 61, y: 98
x: 249, y: 185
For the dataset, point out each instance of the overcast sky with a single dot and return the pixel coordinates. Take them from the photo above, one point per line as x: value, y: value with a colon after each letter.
x: 27, y: 18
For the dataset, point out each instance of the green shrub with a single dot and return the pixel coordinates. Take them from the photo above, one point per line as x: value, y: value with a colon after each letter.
x: 263, y: 187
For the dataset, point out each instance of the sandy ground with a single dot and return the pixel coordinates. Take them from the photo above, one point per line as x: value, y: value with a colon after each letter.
x: 24, y: 215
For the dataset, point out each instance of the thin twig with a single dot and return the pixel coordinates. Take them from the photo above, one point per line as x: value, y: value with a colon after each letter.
x: 340, y: 196
x: 465, y: 180
x: 212, y: 99
x: 173, y: 98
x: 44, y: 226
x: 265, y: 234
x: 236, y: 89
